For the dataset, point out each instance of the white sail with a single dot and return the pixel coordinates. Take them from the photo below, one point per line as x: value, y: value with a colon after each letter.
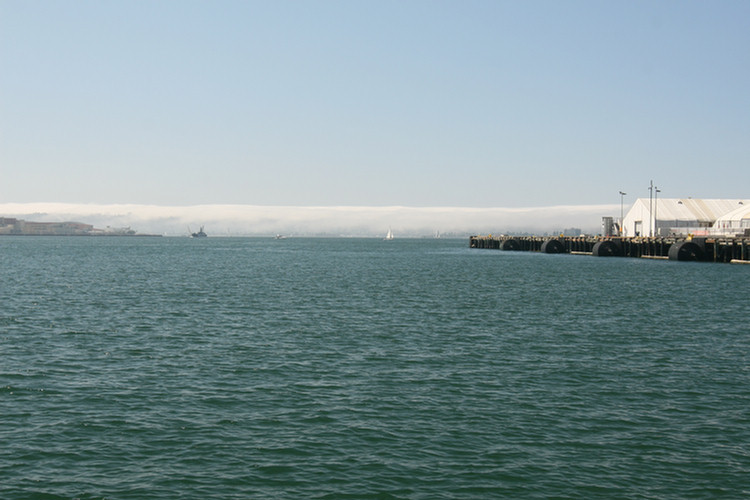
x: 389, y: 236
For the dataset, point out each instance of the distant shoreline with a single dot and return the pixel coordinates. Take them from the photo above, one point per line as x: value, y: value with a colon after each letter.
x: 110, y: 235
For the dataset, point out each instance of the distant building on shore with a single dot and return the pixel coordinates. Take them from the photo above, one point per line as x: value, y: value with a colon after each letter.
x: 20, y: 227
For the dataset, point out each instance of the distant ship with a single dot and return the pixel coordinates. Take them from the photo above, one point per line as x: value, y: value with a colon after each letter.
x: 199, y: 234
x: 389, y: 236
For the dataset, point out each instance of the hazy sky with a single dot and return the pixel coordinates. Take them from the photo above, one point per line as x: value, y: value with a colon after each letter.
x: 335, y: 103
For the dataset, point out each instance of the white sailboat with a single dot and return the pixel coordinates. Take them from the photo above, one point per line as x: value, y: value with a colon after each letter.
x: 389, y: 236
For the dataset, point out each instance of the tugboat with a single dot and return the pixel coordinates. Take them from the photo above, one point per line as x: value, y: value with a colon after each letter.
x: 199, y: 234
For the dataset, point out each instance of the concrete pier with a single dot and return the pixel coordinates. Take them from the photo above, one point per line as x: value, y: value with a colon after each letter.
x: 729, y: 249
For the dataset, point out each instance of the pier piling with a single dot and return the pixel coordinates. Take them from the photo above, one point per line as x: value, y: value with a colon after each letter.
x: 718, y: 249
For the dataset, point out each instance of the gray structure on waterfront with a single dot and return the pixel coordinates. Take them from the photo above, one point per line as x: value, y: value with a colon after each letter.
x: 11, y: 226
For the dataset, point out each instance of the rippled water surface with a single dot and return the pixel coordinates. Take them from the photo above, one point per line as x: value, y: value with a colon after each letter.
x: 163, y: 368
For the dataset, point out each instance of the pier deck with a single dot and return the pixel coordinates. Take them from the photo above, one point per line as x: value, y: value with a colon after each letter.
x: 729, y: 249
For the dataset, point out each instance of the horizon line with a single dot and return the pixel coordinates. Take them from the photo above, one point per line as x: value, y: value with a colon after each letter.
x: 199, y: 205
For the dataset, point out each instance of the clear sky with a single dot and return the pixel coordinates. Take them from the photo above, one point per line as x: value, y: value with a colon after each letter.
x: 373, y: 103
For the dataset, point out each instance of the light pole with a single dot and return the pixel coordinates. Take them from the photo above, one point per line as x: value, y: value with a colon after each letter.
x: 651, y: 209
x: 656, y: 207
x: 621, y: 212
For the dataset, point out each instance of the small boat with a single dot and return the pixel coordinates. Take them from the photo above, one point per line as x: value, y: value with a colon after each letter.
x: 199, y: 234
x: 388, y: 236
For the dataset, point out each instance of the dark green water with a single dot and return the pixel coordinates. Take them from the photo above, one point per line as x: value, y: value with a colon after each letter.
x: 237, y: 368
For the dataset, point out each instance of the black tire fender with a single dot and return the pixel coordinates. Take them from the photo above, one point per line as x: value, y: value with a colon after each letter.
x: 686, y: 251
x: 552, y: 246
x: 607, y: 248
x: 511, y: 244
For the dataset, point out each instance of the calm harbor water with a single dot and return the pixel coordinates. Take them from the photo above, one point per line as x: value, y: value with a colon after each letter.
x: 234, y: 368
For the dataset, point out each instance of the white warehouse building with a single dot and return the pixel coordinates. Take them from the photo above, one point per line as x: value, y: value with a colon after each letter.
x: 698, y: 217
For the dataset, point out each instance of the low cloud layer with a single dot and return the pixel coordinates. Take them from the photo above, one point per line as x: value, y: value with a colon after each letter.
x: 251, y: 220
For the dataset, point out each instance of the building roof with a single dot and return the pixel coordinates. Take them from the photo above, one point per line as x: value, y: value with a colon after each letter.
x: 693, y: 209
x: 740, y: 213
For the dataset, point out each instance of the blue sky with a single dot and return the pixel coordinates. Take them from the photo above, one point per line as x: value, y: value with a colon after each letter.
x: 373, y: 103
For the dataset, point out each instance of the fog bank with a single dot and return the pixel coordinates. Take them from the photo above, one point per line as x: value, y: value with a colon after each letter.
x: 253, y: 220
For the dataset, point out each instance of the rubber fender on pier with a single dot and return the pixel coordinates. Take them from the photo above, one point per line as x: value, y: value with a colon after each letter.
x: 511, y: 244
x: 552, y: 246
x: 607, y: 248
x: 686, y: 250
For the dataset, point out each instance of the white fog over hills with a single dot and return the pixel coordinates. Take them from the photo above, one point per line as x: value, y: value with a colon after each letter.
x: 252, y: 220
